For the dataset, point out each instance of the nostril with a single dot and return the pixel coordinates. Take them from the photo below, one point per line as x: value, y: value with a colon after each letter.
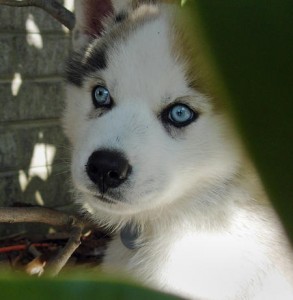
x: 107, y: 169
x: 114, y: 175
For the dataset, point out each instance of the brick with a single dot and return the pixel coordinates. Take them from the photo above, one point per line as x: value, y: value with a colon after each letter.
x: 10, y: 190
x: 7, y: 57
x: 52, y: 192
x: 15, y: 18
x: 49, y: 60
x: 41, y: 18
x: 27, y: 173
x: 8, y: 150
x: 10, y: 18
x: 34, y: 100
x: 18, y: 146
x: 17, y: 56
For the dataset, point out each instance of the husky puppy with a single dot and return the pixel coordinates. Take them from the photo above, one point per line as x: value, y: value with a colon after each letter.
x: 156, y: 161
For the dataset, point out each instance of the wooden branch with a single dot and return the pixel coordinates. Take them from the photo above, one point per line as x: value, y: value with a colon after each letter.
x: 53, y: 7
x: 36, y: 215
x: 56, y: 265
x: 51, y: 217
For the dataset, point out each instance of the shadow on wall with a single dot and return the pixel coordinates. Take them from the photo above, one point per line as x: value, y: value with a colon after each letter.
x: 34, y: 156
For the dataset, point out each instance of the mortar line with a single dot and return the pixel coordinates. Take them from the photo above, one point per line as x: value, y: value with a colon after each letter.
x: 29, y: 123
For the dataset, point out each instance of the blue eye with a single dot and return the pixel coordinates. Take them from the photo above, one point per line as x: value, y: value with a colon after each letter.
x: 181, y: 115
x: 101, y: 96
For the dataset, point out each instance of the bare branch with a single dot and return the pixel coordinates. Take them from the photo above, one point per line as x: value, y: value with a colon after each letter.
x: 54, y: 8
x: 64, y: 254
x: 36, y: 215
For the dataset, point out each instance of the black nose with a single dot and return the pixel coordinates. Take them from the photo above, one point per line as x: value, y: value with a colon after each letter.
x: 107, y: 169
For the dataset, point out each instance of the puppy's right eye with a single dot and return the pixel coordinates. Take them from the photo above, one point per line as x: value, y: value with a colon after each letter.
x: 101, y: 97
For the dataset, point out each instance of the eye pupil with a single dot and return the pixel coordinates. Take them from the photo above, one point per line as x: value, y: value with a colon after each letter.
x: 101, y: 97
x: 180, y: 115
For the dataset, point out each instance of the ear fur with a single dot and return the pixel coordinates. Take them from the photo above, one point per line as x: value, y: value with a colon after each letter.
x: 90, y: 18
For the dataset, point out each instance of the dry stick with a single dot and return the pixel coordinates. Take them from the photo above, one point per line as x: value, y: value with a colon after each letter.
x: 54, y: 8
x: 56, y: 265
x: 36, y: 215
x: 51, y: 217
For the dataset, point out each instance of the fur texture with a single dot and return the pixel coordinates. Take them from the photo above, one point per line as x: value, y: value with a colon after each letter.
x: 206, y: 228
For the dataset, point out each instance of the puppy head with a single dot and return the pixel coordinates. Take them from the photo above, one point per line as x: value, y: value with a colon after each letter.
x: 143, y: 138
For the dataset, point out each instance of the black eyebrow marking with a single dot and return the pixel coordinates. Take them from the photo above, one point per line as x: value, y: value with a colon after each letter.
x: 77, y: 67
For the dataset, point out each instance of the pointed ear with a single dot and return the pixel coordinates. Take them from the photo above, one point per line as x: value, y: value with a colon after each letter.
x: 90, y: 17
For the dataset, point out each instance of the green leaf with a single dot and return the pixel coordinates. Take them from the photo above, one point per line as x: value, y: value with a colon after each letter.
x: 75, y: 289
x: 247, y: 45
x: 183, y: 2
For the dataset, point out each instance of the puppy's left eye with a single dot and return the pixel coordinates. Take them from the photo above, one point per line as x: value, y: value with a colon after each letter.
x: 180, y: 115
x: 101, y: 97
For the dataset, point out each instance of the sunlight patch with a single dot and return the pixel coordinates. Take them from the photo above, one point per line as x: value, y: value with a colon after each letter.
x: 16, y: 84
x: 23, y: 180
x: 39, y: 198
x: 33, y: 37
x: 40, y: 166
x: 43, y: 155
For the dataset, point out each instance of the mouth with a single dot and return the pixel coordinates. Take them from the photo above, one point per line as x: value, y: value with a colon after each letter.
x: 105, y: 199
x: 108, y: 198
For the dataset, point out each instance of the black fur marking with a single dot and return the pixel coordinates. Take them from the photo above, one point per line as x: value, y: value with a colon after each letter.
x: 77, y: 69
x: 74, y: 70
x: 121, y: 17
x: 97, y: 59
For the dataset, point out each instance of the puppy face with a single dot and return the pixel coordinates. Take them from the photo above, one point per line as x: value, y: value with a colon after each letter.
x: 142, y: 137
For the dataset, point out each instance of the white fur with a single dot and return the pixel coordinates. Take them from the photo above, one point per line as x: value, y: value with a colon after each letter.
x: 207, y: 232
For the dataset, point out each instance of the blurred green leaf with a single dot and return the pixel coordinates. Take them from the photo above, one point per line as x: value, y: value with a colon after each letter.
x: 248, y: 46
x: 183, y: 2
x: 75, y: 289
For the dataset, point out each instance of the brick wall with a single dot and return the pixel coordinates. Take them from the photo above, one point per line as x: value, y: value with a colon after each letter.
x: 33, y: 151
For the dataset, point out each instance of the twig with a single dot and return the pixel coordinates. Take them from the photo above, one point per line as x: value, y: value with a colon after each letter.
x: 34, y: 251
x: 56, y: 265
x: 36, y: 215
x: 11, y: 236
x: 54, y: 8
